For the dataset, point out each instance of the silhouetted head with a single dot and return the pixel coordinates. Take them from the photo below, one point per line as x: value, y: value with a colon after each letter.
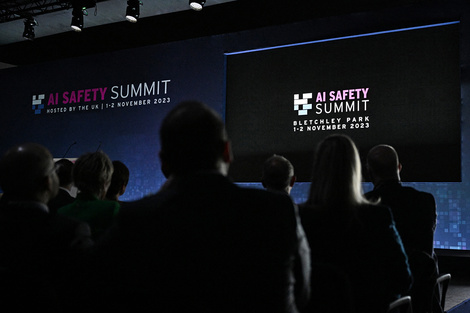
x: 27, y: 172
x: 336, y: 175
x: 278, y: 174
x: 92, y: 173
x: 193, y: 138
x: 383, y: 163
x: 119, y: 181
x: 64, y: 172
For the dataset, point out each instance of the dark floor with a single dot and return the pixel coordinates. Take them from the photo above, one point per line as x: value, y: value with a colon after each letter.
x: 457, y: 293
x: 459, y: 287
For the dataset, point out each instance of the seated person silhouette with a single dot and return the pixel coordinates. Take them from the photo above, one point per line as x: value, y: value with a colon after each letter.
x: 64, y: 173
x: 415, y: 216
x: 37, y: 248
x: 350, y: 237
x: 92, y: 176
x: 202, y: 243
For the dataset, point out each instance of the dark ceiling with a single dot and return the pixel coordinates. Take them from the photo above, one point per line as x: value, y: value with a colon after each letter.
x: 54, y: 16
x: 161, y: 21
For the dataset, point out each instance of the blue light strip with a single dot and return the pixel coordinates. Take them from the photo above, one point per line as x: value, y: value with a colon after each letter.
x: 346, y: 37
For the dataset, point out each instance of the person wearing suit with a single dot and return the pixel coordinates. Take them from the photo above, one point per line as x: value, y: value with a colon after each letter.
x: 202, y: 243
x: 358, y: 261
x: 415, y: 217
x: 64, y: 173
x: 37, y: 248
x: 119, y: 181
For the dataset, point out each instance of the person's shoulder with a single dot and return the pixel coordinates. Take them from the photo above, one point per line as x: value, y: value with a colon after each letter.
x: 111, y: 207
x: 413, y: 191
x: 397, y: 191
x: 260, y: 203
x: 421, y: 193
x: 417, y: 195
x: 108, y: 204
x: 77, y: 232
x: 147, y: 204
x: 96, y: 205
x: 63, y: 222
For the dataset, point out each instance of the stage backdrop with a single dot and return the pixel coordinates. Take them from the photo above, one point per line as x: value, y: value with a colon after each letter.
x: 374, y: 76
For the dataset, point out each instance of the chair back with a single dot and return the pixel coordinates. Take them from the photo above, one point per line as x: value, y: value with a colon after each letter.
x: 401, y: 305
x: 440, y: 289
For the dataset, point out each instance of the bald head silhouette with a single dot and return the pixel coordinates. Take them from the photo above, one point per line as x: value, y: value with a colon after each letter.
x: 27, y: 173
x: 383, y: 163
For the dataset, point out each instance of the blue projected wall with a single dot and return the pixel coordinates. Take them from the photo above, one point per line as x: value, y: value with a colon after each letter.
x: 453, y: 216
x: 116, y: 101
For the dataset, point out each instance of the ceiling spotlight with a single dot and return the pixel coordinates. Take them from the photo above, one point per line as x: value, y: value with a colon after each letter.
x: 133, y: 10
x: 196, y: 5
x: 77, y: 18
x: 29, y: 24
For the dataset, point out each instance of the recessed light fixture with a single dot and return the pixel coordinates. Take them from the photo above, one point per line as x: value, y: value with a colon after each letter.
x: 196, y: 5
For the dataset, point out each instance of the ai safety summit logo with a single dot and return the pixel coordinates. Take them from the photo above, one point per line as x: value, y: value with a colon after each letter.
x: 332, y: 110
x: 131, y: 95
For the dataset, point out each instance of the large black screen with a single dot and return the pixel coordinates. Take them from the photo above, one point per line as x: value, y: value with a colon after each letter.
x: 399, y: 87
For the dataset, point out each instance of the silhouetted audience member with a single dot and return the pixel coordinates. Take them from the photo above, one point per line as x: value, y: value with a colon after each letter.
x: 119, y: 181
x: 204, y: 244
x: 352, y: 240
x: 64, y: 173
x: 415, y: 216
x: 37, y: 248
x: 92, y: 176
x: 278, y: 174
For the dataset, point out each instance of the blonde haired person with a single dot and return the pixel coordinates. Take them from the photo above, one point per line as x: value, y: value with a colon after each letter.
x: 92, y: 174
x: 352, y: 238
